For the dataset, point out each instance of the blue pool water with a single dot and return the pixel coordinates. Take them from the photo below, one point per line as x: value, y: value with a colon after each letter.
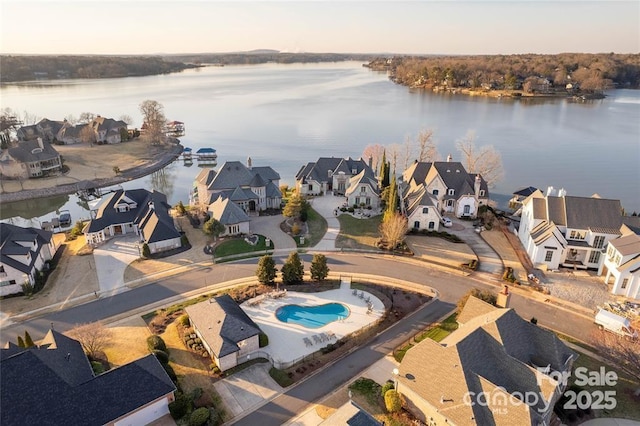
x: 312, y: 316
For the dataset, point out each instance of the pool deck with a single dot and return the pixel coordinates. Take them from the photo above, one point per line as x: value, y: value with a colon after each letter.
x: 287, y: 340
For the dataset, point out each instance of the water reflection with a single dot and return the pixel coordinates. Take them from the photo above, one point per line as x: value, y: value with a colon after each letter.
x: 30, y: 209
x: 164, y: 179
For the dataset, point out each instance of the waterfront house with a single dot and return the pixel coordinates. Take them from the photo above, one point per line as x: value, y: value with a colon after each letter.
x: 134, y: 211
x: 53, y: 383
x: 227, y: 212
x: 30, y: 159
x: 253, y: 189
x: 455, y: 190
x: 363, y: 190
x: 226, y: 331
x: 621, y: 266
x: 330, y: 174
x: 45, y: 129
x: 560, y: 230
x: 23, y: 253
x: 419, y: 206
x: 495, y: 359
x: 520, y: 195
x: 108, y: 130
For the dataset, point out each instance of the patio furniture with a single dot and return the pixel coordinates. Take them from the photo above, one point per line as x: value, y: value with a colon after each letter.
x: 361, y: 295
x: 316, y: 339
x: 307, y: 342
x: 354, y: 292
x: 331, y: 334
x: 368, y: 299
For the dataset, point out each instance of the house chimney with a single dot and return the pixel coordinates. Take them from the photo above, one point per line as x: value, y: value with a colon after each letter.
x: 40, y: 144
x: 562, y: 192
x: 371, y: 162
x: 151, y: 206
x: 449, y: 158
x: 504, y: 297
x: 477, y: 184
x: 551, y: 192
x: 249, y: 165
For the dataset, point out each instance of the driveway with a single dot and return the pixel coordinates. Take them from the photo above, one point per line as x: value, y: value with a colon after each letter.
x: 326, y: 206
x: 246, y: 390
x: 111, y: 260
x: 269, y: 226
x: 489, y: 260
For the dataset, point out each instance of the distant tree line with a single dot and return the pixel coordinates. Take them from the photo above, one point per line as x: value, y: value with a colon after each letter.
x: 264, y: 56
x: 530, y: 73
x: 26, y: 68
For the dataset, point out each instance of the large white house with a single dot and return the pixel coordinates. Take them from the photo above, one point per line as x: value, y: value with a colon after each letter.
x: 23, y: 253
x: 621, y: 266
x: 560, y: 230
x: 363, y: 190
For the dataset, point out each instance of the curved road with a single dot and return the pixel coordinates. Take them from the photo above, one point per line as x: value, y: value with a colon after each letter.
x: 288, y: 404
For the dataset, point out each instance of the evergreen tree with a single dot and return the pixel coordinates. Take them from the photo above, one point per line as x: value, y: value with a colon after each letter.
x: 28, y: 342
x: 21, y: 342
x: 146, y: 251
x: 213, y: 227
x: 266, y: 271
x: 292, y: 270
x: 384, y: 171
x: 294, y: 206
x: 392, y: 197
x: 319, y: 269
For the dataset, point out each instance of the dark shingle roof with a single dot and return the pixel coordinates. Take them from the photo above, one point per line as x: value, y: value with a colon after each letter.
x: 45, y: 386
x: 556, y: 211
x: 9, y: 237
x: 597, y: 214
x: 227, y: 212
x: 525, y: 192
x: 417, y: 172
x: 222, y: 324
x: 30, y: 151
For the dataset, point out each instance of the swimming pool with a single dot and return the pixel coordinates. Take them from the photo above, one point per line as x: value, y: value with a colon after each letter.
x: 312, y: 316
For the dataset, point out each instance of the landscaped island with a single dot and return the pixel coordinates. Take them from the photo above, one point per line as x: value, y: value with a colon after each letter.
x: 567, y: 74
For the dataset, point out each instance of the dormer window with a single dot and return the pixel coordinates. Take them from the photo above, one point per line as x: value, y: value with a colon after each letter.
x: 482, y: 192
x: 354, y: 171
x: 451, y: 192
x: 123, y: 208
x: 329, y: 173
x: 436, y: 192
x: 363, y: 189
x: 425, y: 210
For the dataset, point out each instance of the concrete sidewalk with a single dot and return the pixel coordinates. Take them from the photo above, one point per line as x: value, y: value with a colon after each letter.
x: 269, y: 226
x: 488, y: 259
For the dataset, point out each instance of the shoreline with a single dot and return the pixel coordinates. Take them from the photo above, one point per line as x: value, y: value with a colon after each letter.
x: 70, y: 188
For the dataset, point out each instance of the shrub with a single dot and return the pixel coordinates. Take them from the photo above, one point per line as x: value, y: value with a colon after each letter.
x: 97, y: 367
x: 184, y: 240
x: 295, y: 229
x: 319, y: 269
x: 146, y: 251
x: 155, y: 342
x: 263, y: 339
x: 197, y: 340
x: 534, y: 320
x: 292, y: 270
x: 170, y: 372
x: 190, y: 342
x: 162, y: 356
x: 199, y: 416
x: 180, y: 406
x: 183, y: 320
x: 392, y: 401
x: 266, y: 271
x: 387, y: 386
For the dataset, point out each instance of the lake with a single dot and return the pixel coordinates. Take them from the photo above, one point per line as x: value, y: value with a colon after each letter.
x: 287, y: 115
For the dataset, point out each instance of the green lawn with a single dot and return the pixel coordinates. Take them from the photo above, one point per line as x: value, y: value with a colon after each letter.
x: 358, y: 233
x: 317, y: 228
x: 281, y: 377
x: 238, y: 246
x: 436, y: 333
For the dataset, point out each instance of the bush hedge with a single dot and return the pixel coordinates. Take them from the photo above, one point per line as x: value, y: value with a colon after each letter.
x: 263, y: 339
x: 155, y: 342
x: 199, y: 416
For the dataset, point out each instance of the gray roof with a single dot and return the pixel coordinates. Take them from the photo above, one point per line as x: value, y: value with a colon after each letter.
x: 10, y: 235
x: 319, y: 170
x: 633, y: 223
x: 417, y: 172
x: 227, y: 212
x: 539, y: 208
x: 456, y: 177
x: 627, y: 245
x: 206, y: 176
x: 222, y: 324
x: 556, y: 210
x: 596, y: 214
x: 544, y: 231
x: 233, y: 174
x: 266, y: 172
x: 155, y: 223
x: 417, y: 197
x: 30, y: 151
x: 273, y: 191
x: 365, y: 177
x: 54, y: 384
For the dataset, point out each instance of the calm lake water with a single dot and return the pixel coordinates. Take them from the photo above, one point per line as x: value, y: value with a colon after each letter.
x: 288, y: 115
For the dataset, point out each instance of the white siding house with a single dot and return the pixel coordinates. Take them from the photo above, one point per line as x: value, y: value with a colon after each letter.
x: 621, y: 266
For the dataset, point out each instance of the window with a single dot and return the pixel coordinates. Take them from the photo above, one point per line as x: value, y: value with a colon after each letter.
x: 368, y: 201
x: 617, y: 261
x: 548, y: 256
x: 1, y: 268
x: 363, y: 189
x: 416, y: 224
x: 6, y: 283
x: 482, y: 192
x: 577, y: 235
x: 598, y: 241
x: 432, y: 225
x: 425, y: 210
x: 625, y: 282
x: 467, y: 210
x: 310, y: 187
x: 452, y: 192
x: 594, y: 257
x: 449, y: 203
x: 436, y: 192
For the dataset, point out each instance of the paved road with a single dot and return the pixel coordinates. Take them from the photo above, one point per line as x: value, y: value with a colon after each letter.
x: 269, y: 226
x: 294, y: 401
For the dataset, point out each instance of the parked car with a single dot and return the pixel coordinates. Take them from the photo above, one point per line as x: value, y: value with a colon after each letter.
x: 447, y: 222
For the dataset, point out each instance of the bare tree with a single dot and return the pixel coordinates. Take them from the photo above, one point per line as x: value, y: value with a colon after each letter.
x: 71, y: 119
x: 407, y: 152
x: 485, y: 160
x: 86, y: 117
x: 428, y: 151
x: 87, y: 135
x: 94, y: 337
x: 29, y: 118
x: 154, y: 121
x: 623, y: 352
x: 373, y: 152
x: 393, y: 152
x: 393, y: 230
x: 126, y: 118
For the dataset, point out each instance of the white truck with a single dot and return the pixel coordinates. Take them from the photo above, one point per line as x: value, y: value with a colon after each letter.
x: 609, y: 321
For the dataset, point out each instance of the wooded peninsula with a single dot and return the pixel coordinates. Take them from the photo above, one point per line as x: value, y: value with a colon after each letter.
x: 531, y: 74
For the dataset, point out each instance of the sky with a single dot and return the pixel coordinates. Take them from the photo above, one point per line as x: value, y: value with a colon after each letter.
x: 415, y: 27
